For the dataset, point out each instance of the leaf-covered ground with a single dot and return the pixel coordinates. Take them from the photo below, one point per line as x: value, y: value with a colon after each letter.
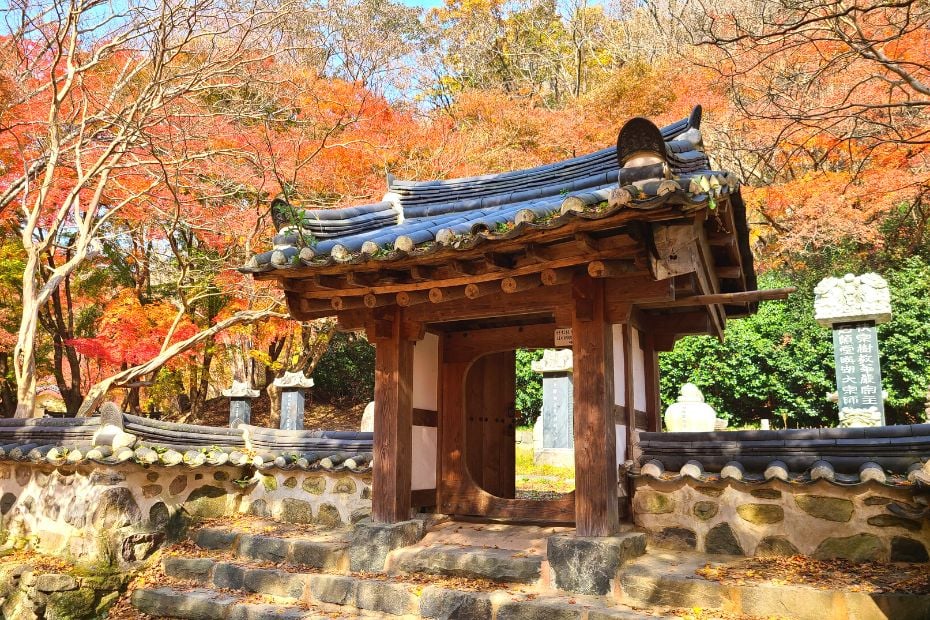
x: 870, y: 577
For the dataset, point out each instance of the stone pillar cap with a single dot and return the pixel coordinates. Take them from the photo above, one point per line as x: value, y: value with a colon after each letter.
x: 240, y: 389
x: 852, y: 299
x: 293, y: 380
x: 554, y: 360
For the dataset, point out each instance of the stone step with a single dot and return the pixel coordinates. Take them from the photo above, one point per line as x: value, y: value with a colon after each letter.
x: 392, y: 597
x: 325, y: 551
x: 500, y: 565
x: 205, y: 604
x: 669, y: 579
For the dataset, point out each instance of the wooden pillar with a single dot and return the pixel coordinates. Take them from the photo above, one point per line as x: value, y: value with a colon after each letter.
x: 393, y: 427
x: 595, y: 430
x: 653, y: 400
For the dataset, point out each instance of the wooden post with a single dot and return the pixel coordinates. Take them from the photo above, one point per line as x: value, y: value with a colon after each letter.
x: 594, y: 426
x: 393, y: 421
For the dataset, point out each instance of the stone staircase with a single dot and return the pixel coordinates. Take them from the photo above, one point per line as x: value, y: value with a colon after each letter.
x: 456, y: 571
x: 243, y: 575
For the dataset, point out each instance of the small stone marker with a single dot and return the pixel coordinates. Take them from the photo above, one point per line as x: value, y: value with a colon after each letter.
x: 292, y: 386
x: 240, y: 409
x: 553, y: 439
x: 853, y: 306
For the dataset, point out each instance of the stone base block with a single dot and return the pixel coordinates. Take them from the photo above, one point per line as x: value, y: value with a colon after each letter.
x: 371, y: 543
x: 588, y: 565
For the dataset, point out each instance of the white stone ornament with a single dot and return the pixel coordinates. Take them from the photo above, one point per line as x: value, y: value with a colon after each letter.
x: 554, y: 360
x: 240, y: 389
x: 852, y: 299
x: 294, y: 380
x: 690, y: 413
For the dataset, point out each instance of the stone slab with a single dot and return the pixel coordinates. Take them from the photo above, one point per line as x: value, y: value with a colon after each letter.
x: 192, y: 569
x: 538, y: 610
x: 188, y: 604
x: 589, y: 565
x: 372, y: 542
x: 503, y: 565
x: 669, y: 579
x: 275, y: 582
x: 442, y: 604
x: 263, y: 548
x: 215, y: 538
x: 385, y: 596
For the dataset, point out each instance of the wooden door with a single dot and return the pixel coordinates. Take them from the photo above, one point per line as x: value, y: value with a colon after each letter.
x: 472, y: 388
x: 490, y: 425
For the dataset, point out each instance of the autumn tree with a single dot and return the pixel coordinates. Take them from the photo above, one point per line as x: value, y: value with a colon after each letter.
x: 105, y: 118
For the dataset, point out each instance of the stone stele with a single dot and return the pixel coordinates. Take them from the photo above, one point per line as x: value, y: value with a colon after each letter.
x: 852, y: 299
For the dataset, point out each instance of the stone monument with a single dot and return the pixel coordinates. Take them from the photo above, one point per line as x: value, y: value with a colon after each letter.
x: 690, y: 413
x: 553, y: 436
x: 292, y: 386
x: 240, y: 409
x: 852, y: 306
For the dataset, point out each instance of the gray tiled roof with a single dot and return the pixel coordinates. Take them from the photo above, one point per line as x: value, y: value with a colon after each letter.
x: 885, y: 454
x: 70, y: 441
x: 422, y: 217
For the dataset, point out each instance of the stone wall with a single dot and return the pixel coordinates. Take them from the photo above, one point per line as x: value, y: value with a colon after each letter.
x: 820, y: 519
x: 119, y: 514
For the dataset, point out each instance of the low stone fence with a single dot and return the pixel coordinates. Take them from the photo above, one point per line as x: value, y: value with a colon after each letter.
x: 853, y: 493
x: 113, y: 489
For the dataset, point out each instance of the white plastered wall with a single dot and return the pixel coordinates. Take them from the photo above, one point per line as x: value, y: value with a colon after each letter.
x: 639, y: 381
x: 425, y: 396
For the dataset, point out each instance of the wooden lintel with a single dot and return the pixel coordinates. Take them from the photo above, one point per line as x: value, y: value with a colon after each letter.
x: 347, y: 303
x: 409, y: 298
x: 498, y: 304
x: 640, y: 290
x: 449, y: 293
x: 412, y: 330
x: 613, y: 269
x: 520, y: 283
x: 551, y: 277
x: 743, y: 297
x: 679, y: 323
x: 480, y: 289
x: 466, y: 345
x: 375, y: 301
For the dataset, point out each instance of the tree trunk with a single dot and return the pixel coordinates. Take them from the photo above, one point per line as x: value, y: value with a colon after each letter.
x: 199, y: 390
x: 24, y: 359
x: 274, y: 405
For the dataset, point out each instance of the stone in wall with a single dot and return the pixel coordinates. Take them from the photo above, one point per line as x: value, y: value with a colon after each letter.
x: 652, y: 502
x: 207, y: 501
x: 115, y: 508
x: 720, y: 539
x: 704, y: 510
x: 904, y: 549
x: 828, y: 508
x: 315, y: 485
x: 674, y: 538
x: 296, y: 511
x: 761, y: 514
x: 894, y: 521
x: 772, y: 546
x: 857, y: 548
x: 329, y: 516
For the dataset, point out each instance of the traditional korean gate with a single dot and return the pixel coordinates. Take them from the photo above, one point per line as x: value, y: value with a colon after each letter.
x: 477, y: 439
